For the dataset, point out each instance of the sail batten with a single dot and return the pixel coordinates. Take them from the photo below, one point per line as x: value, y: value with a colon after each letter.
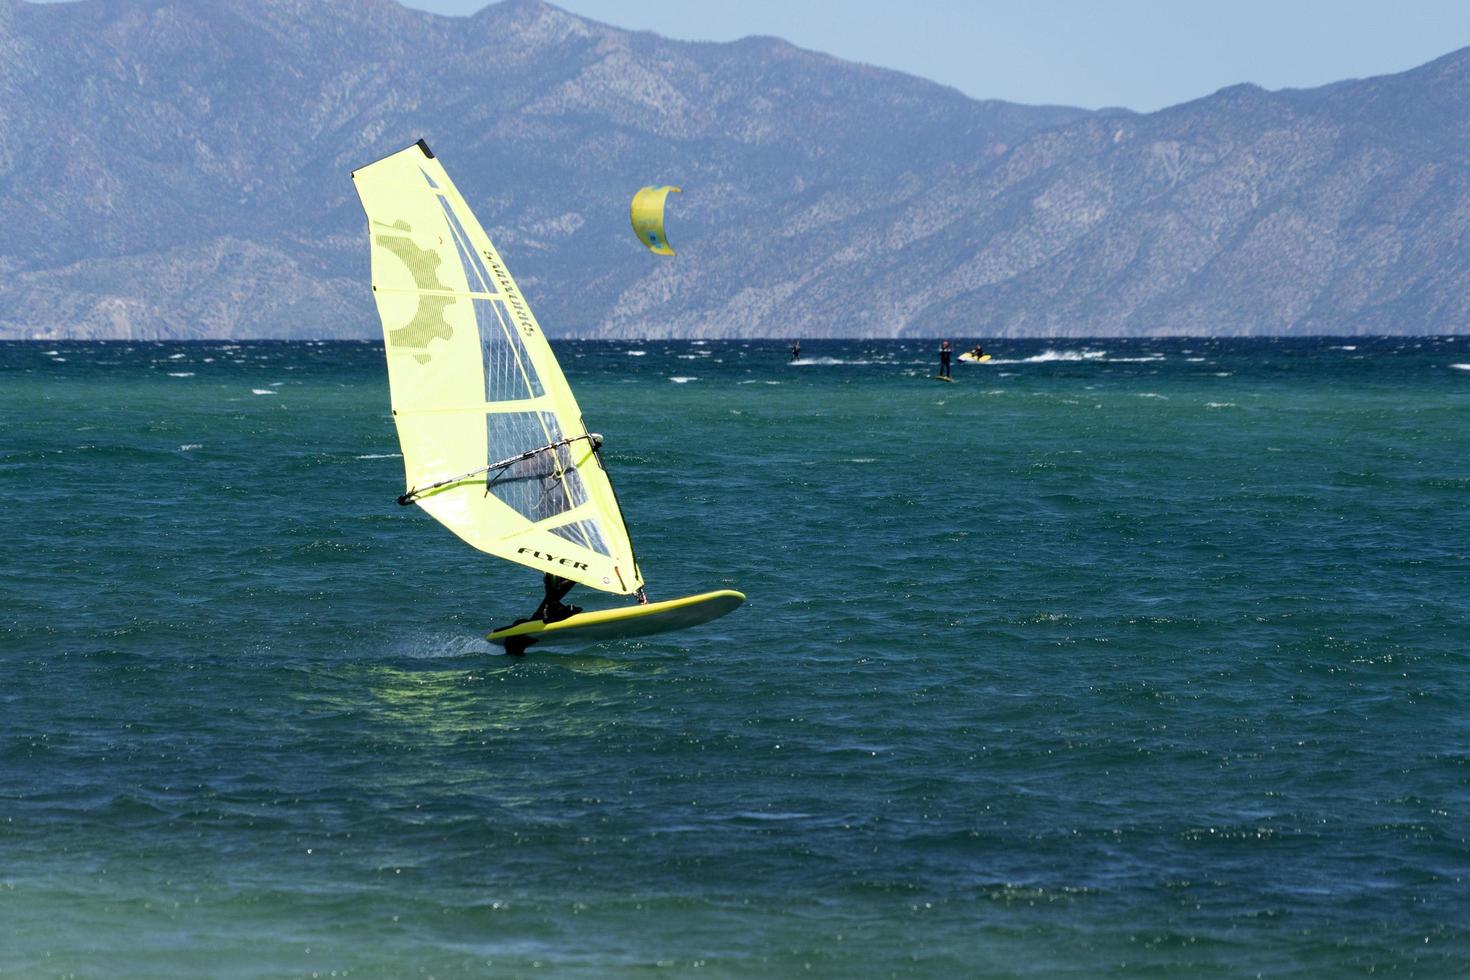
x: 494, y: 446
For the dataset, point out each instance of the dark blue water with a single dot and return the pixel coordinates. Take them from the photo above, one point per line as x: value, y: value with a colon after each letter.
x: 1114, y: 658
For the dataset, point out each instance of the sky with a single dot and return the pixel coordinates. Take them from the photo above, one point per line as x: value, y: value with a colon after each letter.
x: 1140, y: 54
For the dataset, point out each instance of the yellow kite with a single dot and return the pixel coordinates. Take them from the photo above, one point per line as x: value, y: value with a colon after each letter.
x: 647, y: 214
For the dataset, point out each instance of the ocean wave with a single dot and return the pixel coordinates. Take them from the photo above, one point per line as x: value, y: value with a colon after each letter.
x: 1461, y: 367
x: 807, y: 361
x: 261, y: 391
x: 682, y: 380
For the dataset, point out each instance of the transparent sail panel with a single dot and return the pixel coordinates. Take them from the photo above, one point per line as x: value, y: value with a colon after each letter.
x: 509, y: 373
x: 585, y: 533
x: 543, y: 486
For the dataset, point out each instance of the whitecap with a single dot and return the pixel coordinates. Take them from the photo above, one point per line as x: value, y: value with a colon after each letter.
x: 636, y: 353
x: 380, y: 456
x: 1219, y: 404
x: 1066, y: 355
x: 682, y: 381
x: 1150, y: 394
x: 181, y: 374
x: 261, y: 391
x: 1461, y: 367
x: 177, y: 357
x: 190, y: 445
x: 1347, y: 347
x: 806, y: 361
x: 1049, y: 355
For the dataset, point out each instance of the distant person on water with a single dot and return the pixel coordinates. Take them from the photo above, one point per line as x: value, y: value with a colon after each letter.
x: 977, y: 350
x: 796, y: 351
x: 944, y: 352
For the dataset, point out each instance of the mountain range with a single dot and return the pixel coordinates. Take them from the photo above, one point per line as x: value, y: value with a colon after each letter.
x: 180, y: 169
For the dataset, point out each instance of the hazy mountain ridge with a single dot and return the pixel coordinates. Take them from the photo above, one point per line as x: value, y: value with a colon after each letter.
x: 179, y: 168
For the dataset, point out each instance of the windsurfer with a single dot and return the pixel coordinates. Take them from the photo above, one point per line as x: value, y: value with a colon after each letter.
x: 796, y: 351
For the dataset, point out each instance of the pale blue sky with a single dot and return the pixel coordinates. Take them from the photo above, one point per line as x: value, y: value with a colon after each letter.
x: 1143, y: 54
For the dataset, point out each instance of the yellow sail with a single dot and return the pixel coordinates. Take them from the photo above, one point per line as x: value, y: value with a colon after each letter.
x: 494, y: 446
x: 647, y: 214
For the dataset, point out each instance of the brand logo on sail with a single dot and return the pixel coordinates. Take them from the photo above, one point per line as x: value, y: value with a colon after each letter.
x: 552, y: 558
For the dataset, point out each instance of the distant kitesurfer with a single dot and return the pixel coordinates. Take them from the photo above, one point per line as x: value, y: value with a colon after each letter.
x: 796, y: 351
x: 944, y: 352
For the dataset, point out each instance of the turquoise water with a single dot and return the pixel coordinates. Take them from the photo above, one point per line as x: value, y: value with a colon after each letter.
x: 1113, y: 658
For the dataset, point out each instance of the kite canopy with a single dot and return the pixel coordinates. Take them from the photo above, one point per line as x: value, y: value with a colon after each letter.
x: 647, y: 213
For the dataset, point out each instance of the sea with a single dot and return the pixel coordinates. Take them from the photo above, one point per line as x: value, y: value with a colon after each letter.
x: 1110, y: 658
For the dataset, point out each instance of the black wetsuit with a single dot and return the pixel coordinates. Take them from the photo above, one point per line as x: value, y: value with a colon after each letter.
x: 944, y: 353
x: 552, y: 609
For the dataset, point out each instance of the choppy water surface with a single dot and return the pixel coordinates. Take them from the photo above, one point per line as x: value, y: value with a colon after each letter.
x: 1111, y: 658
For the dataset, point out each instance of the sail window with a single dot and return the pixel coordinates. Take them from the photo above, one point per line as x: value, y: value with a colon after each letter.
x: 509, y: 373
x: 585, y: 533
x: 545, y: 485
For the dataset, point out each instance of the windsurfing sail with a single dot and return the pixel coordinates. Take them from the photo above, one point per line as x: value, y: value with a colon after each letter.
x: 647, y: 215
x: 494, y: 446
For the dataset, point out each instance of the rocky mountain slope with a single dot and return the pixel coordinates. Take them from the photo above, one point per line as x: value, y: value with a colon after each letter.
x: 179, y: 168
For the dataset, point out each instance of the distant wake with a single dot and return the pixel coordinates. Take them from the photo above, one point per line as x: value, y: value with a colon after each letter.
x: 1052, y: 355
